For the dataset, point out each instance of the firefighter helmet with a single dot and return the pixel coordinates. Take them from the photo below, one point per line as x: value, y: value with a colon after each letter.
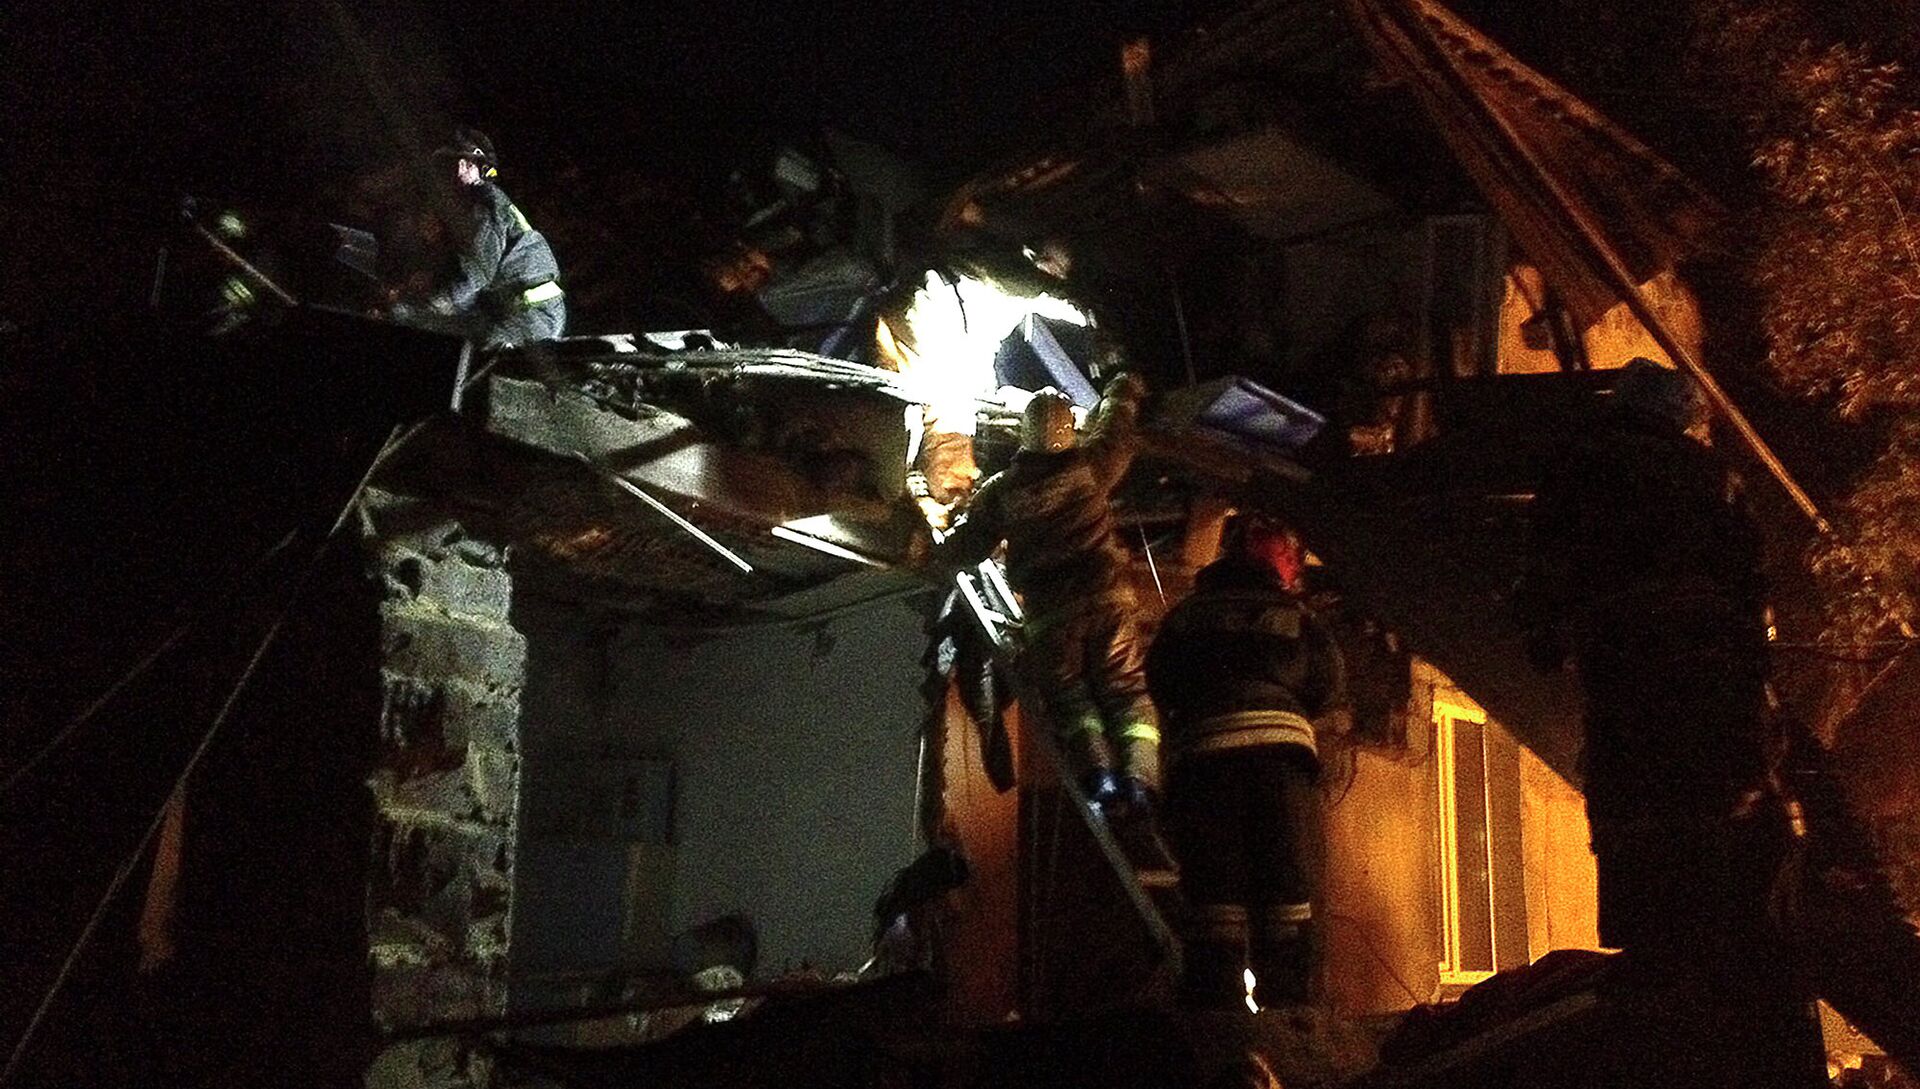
x: 1269, y: 543
x: 471, y: 144
x: 1047, y: 425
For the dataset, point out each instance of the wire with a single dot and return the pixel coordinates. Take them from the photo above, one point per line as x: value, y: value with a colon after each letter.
x: 1351, y: 754
x: 665, y: 511
x: 395, y: 439
x: 1814, y: 650
x: 1373, y: 950
x: 1151, y: 566
x: 145, y: 663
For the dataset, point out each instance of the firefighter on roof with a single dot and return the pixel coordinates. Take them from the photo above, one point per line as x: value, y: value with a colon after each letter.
x: 501, y: 288
x: 1084, y: 660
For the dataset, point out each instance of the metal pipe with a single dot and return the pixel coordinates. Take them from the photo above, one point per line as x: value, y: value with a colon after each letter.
x: 669, y: 513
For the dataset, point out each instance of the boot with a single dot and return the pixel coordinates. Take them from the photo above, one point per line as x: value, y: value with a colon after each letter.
x: 1285, y: 965
x: 1103, y: 790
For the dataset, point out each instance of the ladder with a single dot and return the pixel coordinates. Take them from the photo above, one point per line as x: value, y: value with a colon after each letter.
x: 997, y: 611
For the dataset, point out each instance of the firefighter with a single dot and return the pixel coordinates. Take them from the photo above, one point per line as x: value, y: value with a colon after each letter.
x: 502, y: 288
x: 1240, y: 669
x: 1644, y: 571
x: 1083, y: 663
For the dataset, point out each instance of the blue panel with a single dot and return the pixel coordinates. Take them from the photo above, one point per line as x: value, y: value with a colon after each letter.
x: 1247, y: 410
x: 1033, y: 357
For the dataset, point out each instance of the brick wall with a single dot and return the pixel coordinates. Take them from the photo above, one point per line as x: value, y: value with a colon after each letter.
x: 445, y: 785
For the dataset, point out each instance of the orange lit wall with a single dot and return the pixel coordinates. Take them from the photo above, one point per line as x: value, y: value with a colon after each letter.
x: 1617, y: 337
x: 980, y: 945
x: 1382, y: 885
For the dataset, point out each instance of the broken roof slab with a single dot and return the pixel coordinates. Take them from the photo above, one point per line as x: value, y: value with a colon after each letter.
x: 701, y: 485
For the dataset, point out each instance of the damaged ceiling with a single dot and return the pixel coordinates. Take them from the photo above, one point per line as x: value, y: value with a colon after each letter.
x: 782, y: 473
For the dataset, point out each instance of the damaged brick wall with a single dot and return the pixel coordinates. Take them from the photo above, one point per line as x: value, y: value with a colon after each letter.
x: 445, y: 786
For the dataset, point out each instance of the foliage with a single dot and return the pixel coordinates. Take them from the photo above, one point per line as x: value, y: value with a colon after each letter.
x: 1829, y: 96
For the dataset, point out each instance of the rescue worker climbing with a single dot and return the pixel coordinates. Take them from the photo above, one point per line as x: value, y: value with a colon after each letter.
x: 500, y: 287
x: 1240, y: 669
x: 1645, y: 572
x: 1083, y: 662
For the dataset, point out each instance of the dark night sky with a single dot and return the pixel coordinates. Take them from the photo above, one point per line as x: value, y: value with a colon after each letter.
x: 110, y: 114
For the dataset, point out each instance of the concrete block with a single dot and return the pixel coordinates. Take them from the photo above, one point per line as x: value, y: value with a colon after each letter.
x: 482, y: 718
x: 493, y: 782
x: 429, y: 1064
x: 439, y: 875
x: 418, y: 995
x: 423, y: 644
x: 482, y: 787
x: 414, y: 721
x: 448, y: 715
x: 466, y: 589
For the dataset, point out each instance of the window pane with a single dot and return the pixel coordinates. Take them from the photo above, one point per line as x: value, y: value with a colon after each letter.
x: 1471, y: 861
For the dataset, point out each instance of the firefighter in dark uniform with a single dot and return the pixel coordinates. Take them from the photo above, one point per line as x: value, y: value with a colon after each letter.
x: 1645, y: 572
x: 1083, y: 664
x: 1240, y: 669
x: 502, y: 288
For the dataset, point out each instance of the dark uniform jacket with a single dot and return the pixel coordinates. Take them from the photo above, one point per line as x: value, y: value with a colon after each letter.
x: 1647, y: 566
x: 1242, y: 662
x: 1054, y: 512
x: 504, y: 288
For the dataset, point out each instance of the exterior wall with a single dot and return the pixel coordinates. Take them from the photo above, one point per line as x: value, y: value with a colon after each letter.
x: 1382, y: 898
x: 980, y: 938
x: 1617, y: 337
x: 1562, y: 904
x: 445, y: 789
x: 519, y: 859
x: 1382, y: 912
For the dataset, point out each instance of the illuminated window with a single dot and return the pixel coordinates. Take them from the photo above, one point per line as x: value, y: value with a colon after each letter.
x: 1483, y: 907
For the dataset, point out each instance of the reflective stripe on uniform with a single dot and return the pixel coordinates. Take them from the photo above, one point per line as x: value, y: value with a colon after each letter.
x: 1219, y: 922
x: 540, y: 293
x: 1086, y: 722
x: 1140, y: 731
x: 1289, y: 913
x: 1243, y: 729
x: 519, y: 219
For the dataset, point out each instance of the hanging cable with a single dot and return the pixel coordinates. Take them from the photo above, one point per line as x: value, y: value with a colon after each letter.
x: 146, y: 662
x: 395, y: 439
x: 1373, y: 950
x: 1819, y: 650
x: 1147, y: 546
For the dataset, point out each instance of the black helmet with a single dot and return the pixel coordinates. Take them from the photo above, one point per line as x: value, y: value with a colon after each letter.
x: 471, y: 144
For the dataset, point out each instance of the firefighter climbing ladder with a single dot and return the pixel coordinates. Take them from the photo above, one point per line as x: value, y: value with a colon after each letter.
x: 997, y: 611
